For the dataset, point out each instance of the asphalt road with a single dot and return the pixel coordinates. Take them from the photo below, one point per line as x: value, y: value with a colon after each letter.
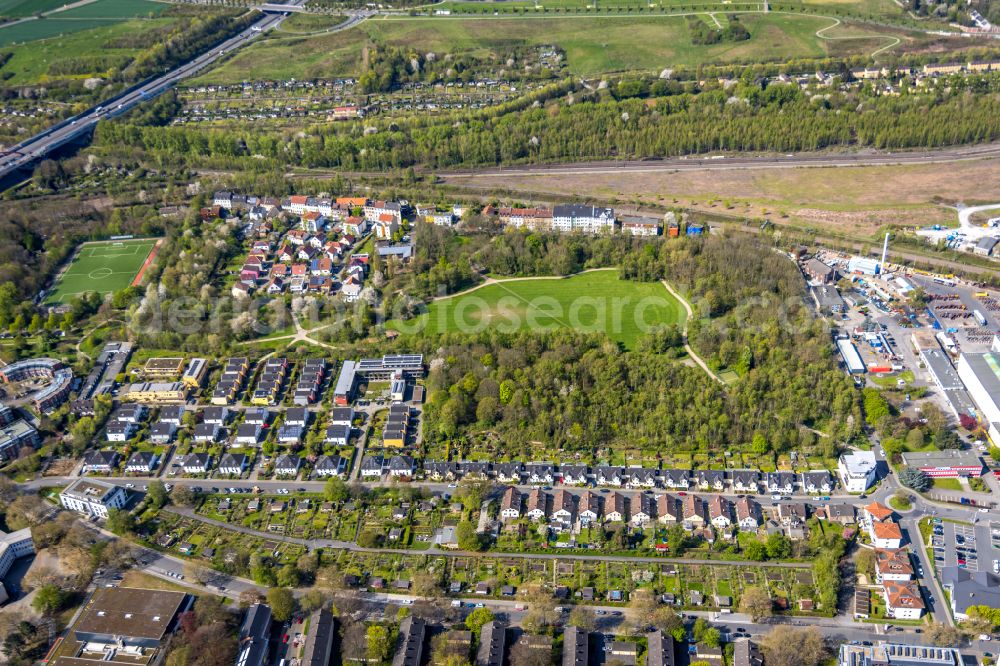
x: 26, y: 152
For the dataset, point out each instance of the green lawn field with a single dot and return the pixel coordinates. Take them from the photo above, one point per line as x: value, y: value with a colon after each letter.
x: 636, y: 6
x: 29, y: 7
x: 31, y: 62
x: 103, y: 267
x: 116, y: 9
x: 306, y: 23
x: 594, y: 302
x: 593, y: 44
x: 106, y: 14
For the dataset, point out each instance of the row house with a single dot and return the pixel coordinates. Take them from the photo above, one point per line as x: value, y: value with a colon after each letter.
x: 533, y: 219
x: 747, y: 514
x: 563, y: 506
x: 641, y: 477
x: 609, y: 476
x: 327, y: 466
x: 643, y: 510
x: 473, y: 469
x: 196, y: 463
x: 540, y: 473
x: 207, y: 433
x: 711, y: 479
x: 692, y: 512
x: 508, y: 472
x: 399, y: 467
x: 437, y: 470
x: 676, y: 479
x: 668, y: 510
x: 617, y: 509
x: 372, y: 467
x: 103, y: 462
x: 310, y: 382
x: 590, y: 508
x: 141, y: 462
x: 234, y: 374
x: 233, y: 464
x: 746, y: 480
x: 510, y: 504
x: 780, y: 482
x: 574, y: 475
x: 719, y: 512
x: 903, y: 600
x: 537, y: 506
x: 287, y: 465
x: 893, y: 565
x: 817, y: 482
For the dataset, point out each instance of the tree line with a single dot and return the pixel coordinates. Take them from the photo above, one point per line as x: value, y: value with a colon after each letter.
x: 592, y: 125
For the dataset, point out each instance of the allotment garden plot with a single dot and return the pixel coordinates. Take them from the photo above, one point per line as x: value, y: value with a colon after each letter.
x: 104, y: 267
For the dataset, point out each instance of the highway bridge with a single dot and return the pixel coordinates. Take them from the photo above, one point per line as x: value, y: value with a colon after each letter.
x: 24, y: 155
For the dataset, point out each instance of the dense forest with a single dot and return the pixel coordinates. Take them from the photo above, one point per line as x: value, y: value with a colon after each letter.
x: 702, y: 33
x: 386, y: 67
x: 746, y: 117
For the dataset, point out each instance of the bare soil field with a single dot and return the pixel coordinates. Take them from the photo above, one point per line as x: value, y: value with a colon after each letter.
x: 851, y: 200
x: 60, y: 467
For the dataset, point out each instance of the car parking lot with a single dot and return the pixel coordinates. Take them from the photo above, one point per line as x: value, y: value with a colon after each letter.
x: 972, y: 547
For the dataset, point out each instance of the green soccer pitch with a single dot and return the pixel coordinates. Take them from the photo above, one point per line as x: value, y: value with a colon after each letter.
x: 102, y: 266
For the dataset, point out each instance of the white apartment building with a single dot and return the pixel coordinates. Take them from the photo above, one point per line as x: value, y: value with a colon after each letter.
x: 92, y: 497
x: 857, y: 470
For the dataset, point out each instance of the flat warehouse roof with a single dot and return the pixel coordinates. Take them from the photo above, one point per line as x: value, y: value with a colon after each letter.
x: 132, y: 612
x: 946, y: 458
x: 942, y: 369
x: 345, y: 381
x: 986, y: 367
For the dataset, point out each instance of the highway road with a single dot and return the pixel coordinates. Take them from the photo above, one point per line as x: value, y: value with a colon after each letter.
x: 723, y: 161
x: 27, y: 152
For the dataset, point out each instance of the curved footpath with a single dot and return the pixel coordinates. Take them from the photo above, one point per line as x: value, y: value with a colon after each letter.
x: 687, y: 347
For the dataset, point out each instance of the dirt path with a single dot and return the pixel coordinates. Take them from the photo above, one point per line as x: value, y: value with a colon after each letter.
x: 894, y: 41
x: 687, y: 347
x: 491, y: 281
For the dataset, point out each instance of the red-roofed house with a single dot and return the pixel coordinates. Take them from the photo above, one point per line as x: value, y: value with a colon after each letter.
x: 903, y: 600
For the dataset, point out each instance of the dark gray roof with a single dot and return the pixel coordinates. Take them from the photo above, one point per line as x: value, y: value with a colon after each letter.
x: 140, y: 458
x: 329, y: 462
x: 232, y: 460
x: 575, y: 647
x: 492, y: 644
x: 411, y: 642
x: 576, y: 210
x: 981, y: 588
x: 95, y: 458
